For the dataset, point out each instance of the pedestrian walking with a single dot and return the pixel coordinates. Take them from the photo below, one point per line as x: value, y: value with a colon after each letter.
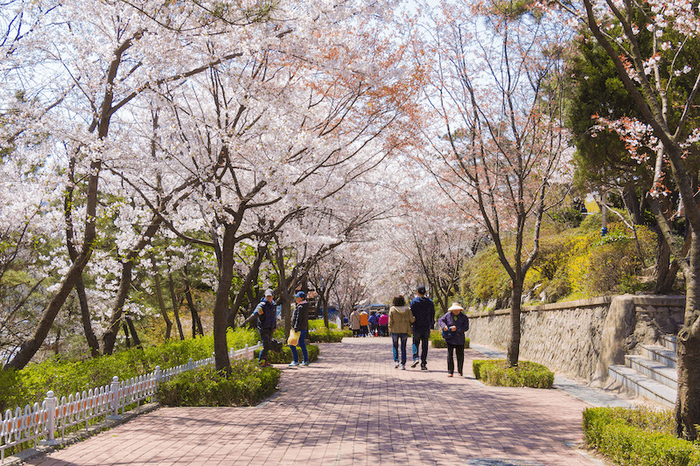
x: 355, y: 322
x: 400, y: 320
x: 453, y: 325
x: 300, y: 324
x: 364, y: 323
x: 373, y: 324
x: 384, y: 324
x: 267, y: 323
x: 423, y: 310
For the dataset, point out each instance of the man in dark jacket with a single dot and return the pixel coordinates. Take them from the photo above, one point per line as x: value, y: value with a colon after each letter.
x: 267, y: 323
x: 423, y: 310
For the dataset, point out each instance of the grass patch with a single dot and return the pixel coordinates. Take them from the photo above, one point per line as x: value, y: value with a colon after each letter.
x: 246, y: 385
x: 527, y: 374
x: 638, y: 437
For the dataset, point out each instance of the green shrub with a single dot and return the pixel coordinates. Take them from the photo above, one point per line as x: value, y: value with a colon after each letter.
x: 246, y: 385
x: 285, y: 356
x: 439, y: 342
x: 318, y: 324
x: 324, y: 335
x: 527, y: 374
x: 637, y: 437
x: 65, y: 377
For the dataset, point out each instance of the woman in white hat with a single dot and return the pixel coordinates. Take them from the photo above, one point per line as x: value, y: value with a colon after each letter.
x: 453, y: 325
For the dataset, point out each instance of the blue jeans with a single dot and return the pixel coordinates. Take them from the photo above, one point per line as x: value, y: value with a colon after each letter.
x: 421, y: 337
x: 265, y: 338
x: 302, y: 345
x: 395, y: 340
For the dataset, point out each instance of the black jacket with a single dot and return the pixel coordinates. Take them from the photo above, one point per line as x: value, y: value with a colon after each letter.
x: 269, y: 317
x: 423, y: 310
x: 300, y: 319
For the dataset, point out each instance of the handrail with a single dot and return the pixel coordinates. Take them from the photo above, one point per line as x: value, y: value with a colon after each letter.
x: 53, y: 415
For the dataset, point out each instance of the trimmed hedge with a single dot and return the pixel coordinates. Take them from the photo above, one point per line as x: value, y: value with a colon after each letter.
x: 633, y: 437
x: 527, y: 374
x: 439, y: 342
x: 325, y: 336
x: 285, y: 356
x: 246, y: 385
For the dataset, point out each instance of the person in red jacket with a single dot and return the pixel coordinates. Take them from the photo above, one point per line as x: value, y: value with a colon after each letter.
x: 384, y: 325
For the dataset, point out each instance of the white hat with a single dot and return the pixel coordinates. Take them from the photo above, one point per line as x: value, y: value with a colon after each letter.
x: 455, y: 306
x: 268, y: 292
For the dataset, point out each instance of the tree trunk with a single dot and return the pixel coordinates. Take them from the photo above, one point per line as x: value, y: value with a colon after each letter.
x: 110, y: 336
x: 57, y: 342
x: 86, y: 319
x: 514, y: 340
x: 324, y: 307
x: 221, y: 304
x: 663, y: 258
x: 176, y: 306
x: 134, y: 333
x: 127, y: 340
x: 688, y: 400
x: 629, y: 196
x: 196, y: 321
x: 161, y: 301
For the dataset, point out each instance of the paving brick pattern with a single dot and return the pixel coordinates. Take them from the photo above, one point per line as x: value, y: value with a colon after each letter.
x: 353, y: 408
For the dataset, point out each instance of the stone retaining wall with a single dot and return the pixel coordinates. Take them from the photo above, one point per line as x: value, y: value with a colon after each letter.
x: 582, y: 338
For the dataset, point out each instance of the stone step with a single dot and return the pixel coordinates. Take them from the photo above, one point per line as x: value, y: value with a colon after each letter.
x: 654, y: 370
x: 668, y: 341
x: 643, y: 386
x: 660, y: 354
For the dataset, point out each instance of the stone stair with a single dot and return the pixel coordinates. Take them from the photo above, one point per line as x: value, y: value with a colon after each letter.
x: 653, y: 373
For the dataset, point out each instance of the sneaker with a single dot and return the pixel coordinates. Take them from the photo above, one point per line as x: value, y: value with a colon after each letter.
x: 396, y: 365
x: 293, y: 364
x: 415, y: 363
x: 423, y: 367
x: 305, y: 363
x: 449, y: 375
x: 460, y: 374
x: 403, y: 367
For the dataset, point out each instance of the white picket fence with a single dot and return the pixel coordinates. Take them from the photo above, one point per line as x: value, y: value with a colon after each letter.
x: 52, y: 416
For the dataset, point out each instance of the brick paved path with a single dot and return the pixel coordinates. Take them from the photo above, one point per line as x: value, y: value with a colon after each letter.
x: 353, y: 408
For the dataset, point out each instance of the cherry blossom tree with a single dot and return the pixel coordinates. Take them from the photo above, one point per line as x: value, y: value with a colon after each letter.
x: 498, y: 141
x: 81, y: 67
x: 663, y: 80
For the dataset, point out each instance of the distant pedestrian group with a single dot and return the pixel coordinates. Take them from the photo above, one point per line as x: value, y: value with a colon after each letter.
x: 372, y: 324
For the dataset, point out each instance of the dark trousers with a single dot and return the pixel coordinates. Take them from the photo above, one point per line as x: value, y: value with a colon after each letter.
x: 451, y: 349
x: 421, y: 337
x: 265, y: 337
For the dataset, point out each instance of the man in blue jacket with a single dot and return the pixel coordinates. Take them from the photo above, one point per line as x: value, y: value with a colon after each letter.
x: 267, y: 323
x: 423, y: 310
